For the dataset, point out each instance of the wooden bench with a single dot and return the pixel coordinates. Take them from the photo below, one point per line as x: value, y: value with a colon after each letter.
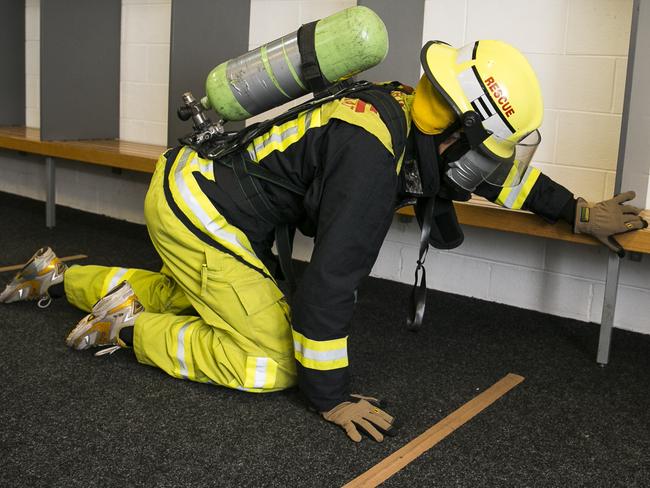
x: 116, y: 154
x: 479, y: 212
x: 476, y: 213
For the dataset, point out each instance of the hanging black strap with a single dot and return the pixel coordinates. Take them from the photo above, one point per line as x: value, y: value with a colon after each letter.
x: 252, y: 191
x: 311, y: 72
x: 251, y: 169
x: 284, y: 234
x: 248, y: 176
x: 248, y: 173
x: 419, y: 292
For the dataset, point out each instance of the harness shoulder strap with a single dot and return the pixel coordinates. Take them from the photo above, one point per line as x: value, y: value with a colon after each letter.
x: 248, y: 173
x: 391, y: 114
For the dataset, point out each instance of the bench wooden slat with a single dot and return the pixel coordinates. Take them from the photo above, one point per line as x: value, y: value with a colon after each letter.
x: 480, y: 213
x: 113, y: 153
x: 142, y: 157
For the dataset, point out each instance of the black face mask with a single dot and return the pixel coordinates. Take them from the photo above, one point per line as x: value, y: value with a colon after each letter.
x: 448, y: 189
x: 423, y: 169
x: 420, y: 175
x: 454, y: 152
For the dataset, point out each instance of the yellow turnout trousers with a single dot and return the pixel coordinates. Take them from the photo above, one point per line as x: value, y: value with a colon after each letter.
x: 212, y: 314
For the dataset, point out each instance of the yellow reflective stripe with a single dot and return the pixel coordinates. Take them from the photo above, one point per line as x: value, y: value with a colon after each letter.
x: 503, y: 196
x: 525, y: 187
x: 198, y: 208
x: 514, y: 197
x: 260, y: 372
x: 114, y: 277
x: 321, y: 355
x: 280, y: 137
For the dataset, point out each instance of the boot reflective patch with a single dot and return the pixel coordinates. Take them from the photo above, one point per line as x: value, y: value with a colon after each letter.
x: 584, y: 214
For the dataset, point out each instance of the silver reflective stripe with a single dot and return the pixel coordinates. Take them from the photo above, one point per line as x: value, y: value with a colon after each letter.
x: 277, y: 138
x: 260, y: 372
x: 117, y: 279
x: 332, y: 355
x: 465, y: 54
x: 252, y: 150
x: 473, y: 89
x: 470, y: 85
x: 516, y: 191
x: 180, y: 352
x: 496, y: 125
x: 308, y: 120
x: 210, y: 225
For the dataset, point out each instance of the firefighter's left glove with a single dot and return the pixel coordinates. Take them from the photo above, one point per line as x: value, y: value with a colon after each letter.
x: 364, y: 413
x: 605, y: 219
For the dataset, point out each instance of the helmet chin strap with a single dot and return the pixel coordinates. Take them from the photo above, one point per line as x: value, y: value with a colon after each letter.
x: 473, y: 128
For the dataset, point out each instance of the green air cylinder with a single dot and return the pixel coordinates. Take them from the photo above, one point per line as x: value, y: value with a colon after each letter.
x: 346, y: 43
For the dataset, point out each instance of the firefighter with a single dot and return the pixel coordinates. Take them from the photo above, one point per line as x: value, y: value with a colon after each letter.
x: 215, y: 314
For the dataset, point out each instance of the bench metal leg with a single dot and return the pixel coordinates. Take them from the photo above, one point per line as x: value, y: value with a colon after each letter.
x: 50, y: 192
x: 609, y: 307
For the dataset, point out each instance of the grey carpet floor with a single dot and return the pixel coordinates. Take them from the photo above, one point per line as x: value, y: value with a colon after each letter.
x: 69, y: 419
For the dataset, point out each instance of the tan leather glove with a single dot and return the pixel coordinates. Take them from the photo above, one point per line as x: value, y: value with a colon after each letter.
x: 605, y: 219
x: 364, y: 413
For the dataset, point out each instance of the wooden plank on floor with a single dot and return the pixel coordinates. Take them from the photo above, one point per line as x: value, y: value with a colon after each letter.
x: 18, y: 267
x: 411, y: 451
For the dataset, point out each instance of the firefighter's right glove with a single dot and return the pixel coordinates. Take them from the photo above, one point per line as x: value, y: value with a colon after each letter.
x: 364, y: 413
x: 605, y: 219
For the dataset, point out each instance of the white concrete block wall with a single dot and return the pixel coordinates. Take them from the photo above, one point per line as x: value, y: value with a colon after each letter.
x: 579, y: 49
x: 549, y: 276
x: 32, y: 63
x: 144, y: 72
x: 87, y: 187
x: 288, y: 16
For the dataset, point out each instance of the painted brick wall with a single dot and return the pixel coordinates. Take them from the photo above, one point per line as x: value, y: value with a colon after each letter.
x: 578, y: 48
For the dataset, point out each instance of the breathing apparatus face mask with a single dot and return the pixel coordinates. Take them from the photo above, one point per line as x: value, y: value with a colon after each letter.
x: 493, y: 90
x: 469, y: 163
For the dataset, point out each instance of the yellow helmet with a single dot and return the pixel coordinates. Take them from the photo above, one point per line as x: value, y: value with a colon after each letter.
x: 490, y: 78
